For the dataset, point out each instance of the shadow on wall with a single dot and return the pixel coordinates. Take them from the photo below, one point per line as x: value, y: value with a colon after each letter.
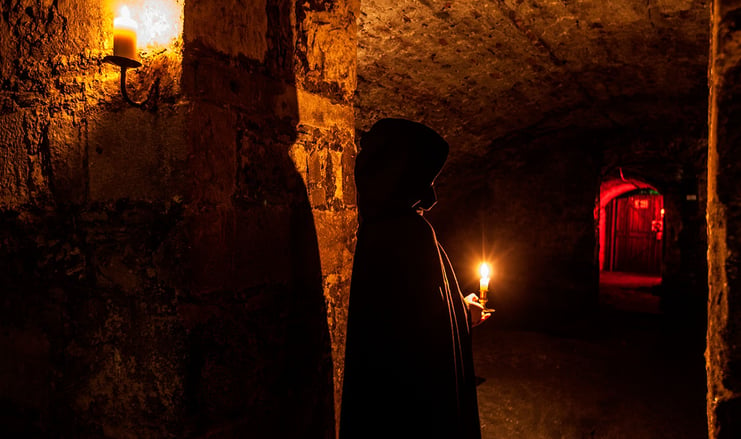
x: 259, y: 352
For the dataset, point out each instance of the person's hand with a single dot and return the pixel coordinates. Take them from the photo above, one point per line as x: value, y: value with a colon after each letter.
x: 478, y: 316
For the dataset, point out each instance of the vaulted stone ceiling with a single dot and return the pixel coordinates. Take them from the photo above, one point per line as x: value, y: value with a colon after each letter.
x: 477, y: 71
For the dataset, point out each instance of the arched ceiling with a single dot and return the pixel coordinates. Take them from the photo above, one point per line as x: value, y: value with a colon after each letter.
x: 477, y: 71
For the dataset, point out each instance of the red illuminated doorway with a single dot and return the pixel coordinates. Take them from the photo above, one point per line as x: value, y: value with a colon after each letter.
x: 634, y: 232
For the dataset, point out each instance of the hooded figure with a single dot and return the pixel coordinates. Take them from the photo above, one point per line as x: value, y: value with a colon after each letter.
x: 408, y: 360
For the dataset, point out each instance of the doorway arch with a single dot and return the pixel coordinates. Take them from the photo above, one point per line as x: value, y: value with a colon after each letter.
x: 630, y: 216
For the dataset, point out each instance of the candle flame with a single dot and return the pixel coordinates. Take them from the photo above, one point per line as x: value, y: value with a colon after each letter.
x: 484, y: 270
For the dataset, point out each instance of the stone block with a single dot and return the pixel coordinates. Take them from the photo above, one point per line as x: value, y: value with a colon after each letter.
x: 14, y: 167
x: 335, y: 175
x: 211, y: 252
x: 318, y: 197
x: 238, y: 83
x: 88, y: 25
x: 264, y: 252
x: 235, y: 28
x: 327, y: 177
x: 212, y: 163
x: 266, y: 170
x: 317, y: 168
x: 335, y: 232
x: 348, y: 175
x: 326, y: 51
x: 136, y: 154
x: 319, y: 111
x: 67, y: 155
x: 130, y: 373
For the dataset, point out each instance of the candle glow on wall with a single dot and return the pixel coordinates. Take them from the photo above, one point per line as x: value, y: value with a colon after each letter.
x: 147, y: 28
x: 160, y: 22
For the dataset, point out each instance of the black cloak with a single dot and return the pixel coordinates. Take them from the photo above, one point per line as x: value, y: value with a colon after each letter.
x: 408, y: 361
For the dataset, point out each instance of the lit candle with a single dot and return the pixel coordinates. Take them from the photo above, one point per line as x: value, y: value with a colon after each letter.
x: 484, y: 284
x: 124, y: 35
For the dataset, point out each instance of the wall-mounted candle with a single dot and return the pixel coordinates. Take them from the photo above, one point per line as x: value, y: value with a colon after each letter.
x: 124, y: 35
x: 485, y: 271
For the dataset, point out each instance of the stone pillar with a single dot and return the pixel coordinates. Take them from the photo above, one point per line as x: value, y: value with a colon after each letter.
x: 723, y: 352
x: 271, y: 212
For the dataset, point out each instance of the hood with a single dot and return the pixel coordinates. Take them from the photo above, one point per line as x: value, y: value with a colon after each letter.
x: 396, y: 167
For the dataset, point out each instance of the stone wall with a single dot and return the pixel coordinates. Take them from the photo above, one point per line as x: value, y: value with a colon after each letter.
x: 183, y: 269
x: 723, y: 352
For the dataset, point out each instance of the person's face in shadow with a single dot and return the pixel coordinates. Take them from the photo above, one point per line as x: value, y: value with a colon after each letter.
x: 396, y: 166
x: 379, y: 178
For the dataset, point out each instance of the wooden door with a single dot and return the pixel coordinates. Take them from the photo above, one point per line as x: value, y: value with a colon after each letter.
x: 635, y: 229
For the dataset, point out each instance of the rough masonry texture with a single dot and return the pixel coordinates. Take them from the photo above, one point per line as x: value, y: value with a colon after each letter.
x: 181, y: 270
x: 723, y: 352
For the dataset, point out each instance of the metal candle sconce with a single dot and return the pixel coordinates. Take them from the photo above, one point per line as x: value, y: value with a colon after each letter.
x: 124, y: 51
x: 125, y: 63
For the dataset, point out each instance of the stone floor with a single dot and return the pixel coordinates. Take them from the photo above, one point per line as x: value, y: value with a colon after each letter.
x: 625, y: 372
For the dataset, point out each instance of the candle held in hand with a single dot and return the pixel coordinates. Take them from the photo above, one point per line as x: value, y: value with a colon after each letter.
x: 484, y: 270
x: 124, y: 35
